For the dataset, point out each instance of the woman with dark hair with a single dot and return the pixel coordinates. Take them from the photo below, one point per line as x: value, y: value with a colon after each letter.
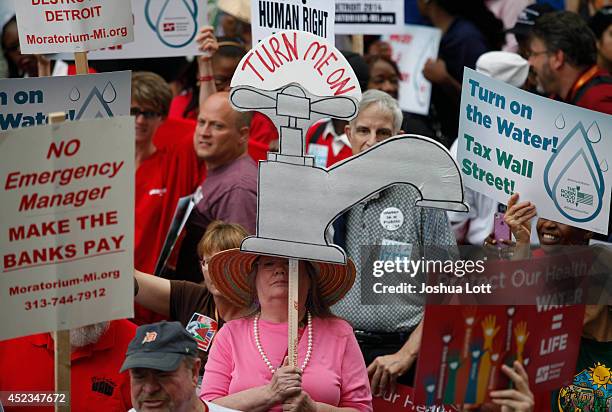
x: 595, y: 356
x: 384, y: 75
x: 19, y: 65
x: 221, y: 67
x: 247, y: 368
x: 469, y: 29
x: 29, y: 65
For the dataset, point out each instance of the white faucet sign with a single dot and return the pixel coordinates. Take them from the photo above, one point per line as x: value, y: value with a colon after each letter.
x: 296, y: 78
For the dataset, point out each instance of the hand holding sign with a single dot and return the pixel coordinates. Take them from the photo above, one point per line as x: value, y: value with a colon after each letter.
x: 207, y: 43
x: 518, y: 218
x: 515, y: 400
x: 286, y: 382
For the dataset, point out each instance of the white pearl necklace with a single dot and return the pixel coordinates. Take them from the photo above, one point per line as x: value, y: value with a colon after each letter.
x: 263, y: 354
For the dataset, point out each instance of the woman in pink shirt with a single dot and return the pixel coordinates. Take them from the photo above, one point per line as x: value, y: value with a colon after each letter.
x: 247, y: 367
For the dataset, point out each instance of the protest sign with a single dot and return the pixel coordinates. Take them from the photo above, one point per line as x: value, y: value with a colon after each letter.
x: 412, y: 46
x: 27, y: 102
x: 468, y: 345
x: 296, y: 56
x: 162, y: 28
x: 314, y: 16
x: 57, y: 26
x: 555, y: 155
x: 403, y: 401
x: 369, y: 16
x: 67, y: 230
x: 295, y: 79
x: 540, y: 328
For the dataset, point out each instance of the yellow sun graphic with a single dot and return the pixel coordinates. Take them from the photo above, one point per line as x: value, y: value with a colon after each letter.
x: 600, y: 375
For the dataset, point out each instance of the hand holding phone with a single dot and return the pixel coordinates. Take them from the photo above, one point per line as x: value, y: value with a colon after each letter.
x: 501, y: 231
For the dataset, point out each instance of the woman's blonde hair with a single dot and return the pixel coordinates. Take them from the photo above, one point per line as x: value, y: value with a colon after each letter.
x: 221, y: 236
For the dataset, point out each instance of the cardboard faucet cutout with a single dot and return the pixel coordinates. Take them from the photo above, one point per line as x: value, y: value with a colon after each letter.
x: 296, y: 78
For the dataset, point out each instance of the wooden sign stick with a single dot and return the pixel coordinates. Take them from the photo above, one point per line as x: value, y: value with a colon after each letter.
x: 80, y: 59
x: 358, y: 46
x: 293, y: 312
x: 61, y: 338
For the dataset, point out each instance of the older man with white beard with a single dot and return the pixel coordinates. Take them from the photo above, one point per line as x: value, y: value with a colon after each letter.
x: 26, y: 364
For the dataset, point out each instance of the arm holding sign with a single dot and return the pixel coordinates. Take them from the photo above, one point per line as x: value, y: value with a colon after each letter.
x: 207, y: 43
x: 385, y: 370
x: 515, y: 400
x: 153, y: 292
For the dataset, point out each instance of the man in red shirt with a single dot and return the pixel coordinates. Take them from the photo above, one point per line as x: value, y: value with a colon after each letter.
x: 26, y: 364
x: 327, y: 142
x: 562, y: 52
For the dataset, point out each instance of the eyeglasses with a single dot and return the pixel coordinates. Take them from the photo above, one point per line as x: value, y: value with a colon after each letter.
x: 148, y: 114
x: 530, y: 53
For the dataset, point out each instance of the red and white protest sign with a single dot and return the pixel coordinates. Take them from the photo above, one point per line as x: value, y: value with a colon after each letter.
x: 467, y: 345
x: 66, y: 235
x: 52, y: 26
x: 297, y: 57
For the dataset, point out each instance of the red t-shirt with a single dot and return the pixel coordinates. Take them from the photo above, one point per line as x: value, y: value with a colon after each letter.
x: 319, y: 145
x: 593, y: 91
x: 262, y: 128
x: 169, y: 174
x: 26, y: 364
x: 179, y: 104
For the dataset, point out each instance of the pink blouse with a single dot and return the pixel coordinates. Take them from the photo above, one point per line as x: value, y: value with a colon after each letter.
x: 335, y: 375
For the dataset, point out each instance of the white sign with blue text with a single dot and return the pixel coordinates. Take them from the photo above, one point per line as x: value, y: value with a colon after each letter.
x: 27, y: 102
x: 555, y: 155
x: 162, y: 28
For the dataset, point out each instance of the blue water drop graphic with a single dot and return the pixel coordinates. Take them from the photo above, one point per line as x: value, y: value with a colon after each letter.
x: 174, y: 21
x: 109, y: 94
x: 75, y: 94
x: 594, y: 134
x: 604, y: 166
x: 560, y: 121
x: 573, y: 177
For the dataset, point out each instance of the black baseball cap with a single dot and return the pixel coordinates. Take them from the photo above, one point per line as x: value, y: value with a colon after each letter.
x: 527, y: 18
x: 161, y: 346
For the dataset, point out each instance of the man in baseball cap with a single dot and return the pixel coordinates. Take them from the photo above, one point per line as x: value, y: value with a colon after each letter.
x: 163, y: 363
x: 525, y: 22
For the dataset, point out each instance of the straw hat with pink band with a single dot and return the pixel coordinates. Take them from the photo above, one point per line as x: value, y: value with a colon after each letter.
x: 230, y: 271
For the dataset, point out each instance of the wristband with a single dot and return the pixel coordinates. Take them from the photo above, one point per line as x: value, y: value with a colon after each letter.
x: 203, y: 79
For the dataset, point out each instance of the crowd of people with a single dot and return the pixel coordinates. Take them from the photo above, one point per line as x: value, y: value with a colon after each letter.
x: 189, y: 141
